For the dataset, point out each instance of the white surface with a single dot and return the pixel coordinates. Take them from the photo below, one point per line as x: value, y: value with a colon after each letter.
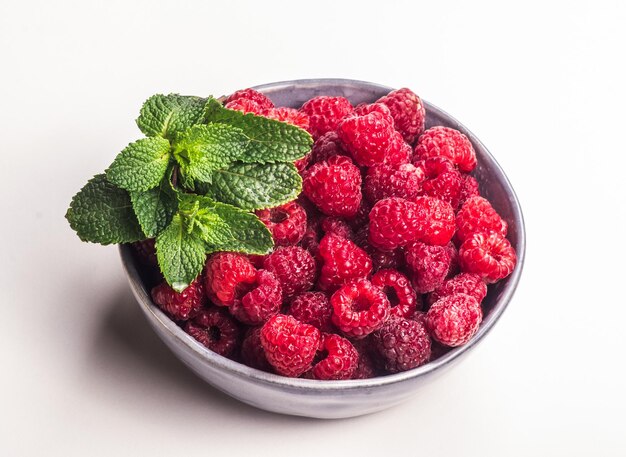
x: 541, y: 83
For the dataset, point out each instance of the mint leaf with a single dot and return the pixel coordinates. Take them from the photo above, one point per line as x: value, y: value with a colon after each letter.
x: 167, y: 115
x: 155, y: 208
x: 268, y: 140
x: 141, y: 165
x: 102, y: 213
x: 256, y: 186
x: 181, y: 255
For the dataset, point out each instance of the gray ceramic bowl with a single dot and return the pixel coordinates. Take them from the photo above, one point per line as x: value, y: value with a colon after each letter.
x: 338, y: 399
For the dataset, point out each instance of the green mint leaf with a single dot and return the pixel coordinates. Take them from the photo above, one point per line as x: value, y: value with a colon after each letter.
x: 141, y: 165
x: 155, y: 208
x: 255, y: 186
x: 268, y: 140
x: 181, y: 255
x: 202, y: 149
x: 102, y: 213
x: 167, y: 115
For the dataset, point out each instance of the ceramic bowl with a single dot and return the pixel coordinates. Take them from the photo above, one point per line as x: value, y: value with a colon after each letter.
x: 340, y: 399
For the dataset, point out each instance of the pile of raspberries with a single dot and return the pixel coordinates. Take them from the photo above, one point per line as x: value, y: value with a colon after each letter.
x: 379, y: 266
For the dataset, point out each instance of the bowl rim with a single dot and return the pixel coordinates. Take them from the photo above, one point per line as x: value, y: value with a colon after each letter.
x: 271, y: 379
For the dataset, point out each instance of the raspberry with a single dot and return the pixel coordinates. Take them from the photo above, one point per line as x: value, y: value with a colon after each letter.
x: 303, y: 163
x: 262, y: 101
x: 343, y: 261
x: 368, y: 138
x: 364, y: 109
x: 400, y: 152
x: 443, y: 180
x: 246, y: 106
x: 290, y: 116
x: 478, y: 216
x: 334, y: 186
x: 261, y: 302
x: 340, y: 359
x: 365, y: 368
x: 394, y: 222
x: 469, y: 188
x: 252, y: 352
x: 325, y: 113
x: 228, y: 276
x: 380, y: 259
x: 403, y: 344
x: 311, y: 239
x: 289, y: 345
x: 436, y: 218
x: 449, y: 143
x: 384, y: 181
x: 337, y: 227
x: 313, y: 308
x: 287, y: 223
x: 294, y: 268
x: 408, y: 113
x: 180, y: 306
x: 455, y: 268
x: 216, y: 330
x: 326, y: 146
x: 429, y: 265
x: 454, y: 319
x: 464, y: 283
x: 398, y: 290
x: 146, y: 252
x: 359, y: 308
x: 361, y: 217
x: 490, y: 256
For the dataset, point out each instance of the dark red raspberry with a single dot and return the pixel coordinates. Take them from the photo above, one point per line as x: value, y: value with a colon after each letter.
x: 289, y: 345
x: 368, y: 138
x: 429, y: 265
x: 443, y: 180
x: 343, y: 261
x: 216, y: 330
x: 262, y: 101
x: 325, y: 113
x: 180, y: 306
x: 419, y: 316
x: 436, y: 218
x: 326, y: 146
x: 478, y: 216
x: 454, y: 319
x: 361, y: 217
x: 490, y: 256
x: 294, y: 267
x: 338, y: 227
x: 311, y: 239
x: 334, y: 186
x: 359, y: 308
x: 366, y: 367
x: 380, y: 259
x: 469, y: 188
x: 303, y: 163
x: 464, y: 283
x: 287, y: 223
x: 394, y: 222
x: 455, y: 268
x: 313, y: 308
x: 403, y: 344
x: 290, y: 116
x: 261, y: 302
x: 340, y: 358
x: 401, y: 295
x: 228, y: 276
x: 252, y: 353
x: 364, y: 109
x: 146, y: 252
x: 449, y: 143
x: 408, y: 113
x: 384, y: 181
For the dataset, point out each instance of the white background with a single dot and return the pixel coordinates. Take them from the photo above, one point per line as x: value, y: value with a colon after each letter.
x: 541, y: 83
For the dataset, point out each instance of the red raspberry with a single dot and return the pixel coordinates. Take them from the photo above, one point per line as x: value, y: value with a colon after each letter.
x: 343, y: 261
x: 478, y: 216
x: 325, y: 113
x: 262, y: 101
x: 455, y: 268
x: 436, y: 218
x: 464, y: 283
x: 403, y: 344
x: 469, y: 188
x: 401, y: 295
x: 368, y: 138
x: 394, y: 222
x: 449, y: 143
x: 400, y: 151
x: 252, y: 353
x: 443, y: 180
x: 384, y: 181
x: 313, y: 308
x: 287, y: 223
x: 246, y: 106
x: 303, y: 163
x: 180, y: 306
x: 364, y: 109
x: 289, y: 345
x: 407, y: 111
x: 326, y: 146
x: 228, y: 276
x: 334, y: 186
x: 290, y: 116
x: 380, y: 259
x: 359, y: 308
x: 294, y: 267
x: 146, y: 252
x: 340, y: 359
x: 490, y: 256
x: 338, y: 227
x: 311, y: 239
x: 261, y: 302
x: 216, y: 330
x: 454, y: 319
x: 429, y: 265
